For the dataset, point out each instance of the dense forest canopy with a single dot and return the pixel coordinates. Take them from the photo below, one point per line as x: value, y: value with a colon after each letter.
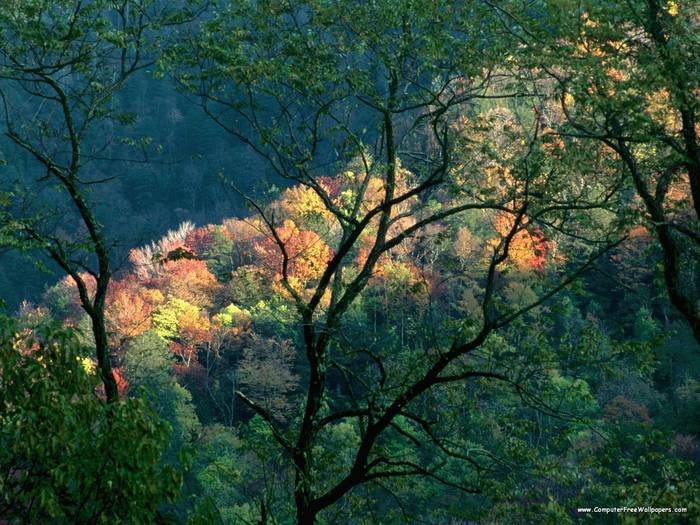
x: 349, y: 262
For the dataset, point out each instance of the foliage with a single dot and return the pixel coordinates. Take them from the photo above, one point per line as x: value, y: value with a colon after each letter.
x: 65, y: 454
x: 466, y: 290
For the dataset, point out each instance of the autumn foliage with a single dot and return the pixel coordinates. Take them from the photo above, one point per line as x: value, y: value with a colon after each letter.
x: 173, y: 291
x: 529, y: 249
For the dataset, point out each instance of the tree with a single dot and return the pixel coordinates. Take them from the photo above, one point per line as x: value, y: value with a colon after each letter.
x: 65, y: 454
x: 264, y: 372
x: 69, y: 59
x: 148, y: 367
x: 633, y: 88
x: 358, y: 88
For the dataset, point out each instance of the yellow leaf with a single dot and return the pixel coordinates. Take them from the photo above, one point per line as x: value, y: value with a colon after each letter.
x: 672, y: 8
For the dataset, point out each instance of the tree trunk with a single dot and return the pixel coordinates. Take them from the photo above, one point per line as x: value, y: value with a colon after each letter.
x: 103, y: 360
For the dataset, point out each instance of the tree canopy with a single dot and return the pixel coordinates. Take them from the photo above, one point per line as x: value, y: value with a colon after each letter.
x: 464, y: 289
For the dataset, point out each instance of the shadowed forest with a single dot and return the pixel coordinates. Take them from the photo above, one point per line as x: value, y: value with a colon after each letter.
x: 360, y: 262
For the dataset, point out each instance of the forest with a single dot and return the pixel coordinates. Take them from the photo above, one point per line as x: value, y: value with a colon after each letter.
x: 357, y: 262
